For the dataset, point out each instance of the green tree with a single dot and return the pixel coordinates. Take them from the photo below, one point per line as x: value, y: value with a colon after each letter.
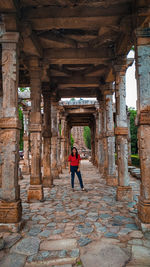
x: 72, y: 141
x: 133, y: 131
x: 22, y: 130
x: 87, y: 136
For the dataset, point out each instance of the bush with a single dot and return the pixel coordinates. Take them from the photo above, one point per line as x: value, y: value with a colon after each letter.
x: 135, y: 160
x: 87, y: 136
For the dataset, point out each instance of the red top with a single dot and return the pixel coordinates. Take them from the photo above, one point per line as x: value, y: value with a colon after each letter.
x: 73, y: 160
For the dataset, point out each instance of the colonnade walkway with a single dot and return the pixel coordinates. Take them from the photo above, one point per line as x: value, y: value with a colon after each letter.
x: 89, y: 229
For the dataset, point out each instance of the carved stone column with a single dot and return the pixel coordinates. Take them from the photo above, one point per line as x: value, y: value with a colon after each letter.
x: 96, y: 139
x: 63, y: 141
x: 10, y: 203
x: 100, y: 139
x: 47, y: 177
x: 143, y: 107
x: 124, y: 191
x: 54, y: 138
x: 26, y: 165
x: 129, y: 139
x: 59, y: 166
x: 1, y: 115
x: 92, y: 144
x: 111, y: 168
x: 35, y: 191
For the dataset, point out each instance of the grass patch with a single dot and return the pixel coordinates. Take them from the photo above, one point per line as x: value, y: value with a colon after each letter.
x: 135, y: 160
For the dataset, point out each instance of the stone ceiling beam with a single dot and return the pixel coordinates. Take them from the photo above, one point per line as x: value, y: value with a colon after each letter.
x: 77, y: 81
x: 78, y: 56
x: 76, y: 11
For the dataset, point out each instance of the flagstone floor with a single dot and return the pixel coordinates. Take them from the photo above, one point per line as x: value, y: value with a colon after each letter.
x: 89, y: 229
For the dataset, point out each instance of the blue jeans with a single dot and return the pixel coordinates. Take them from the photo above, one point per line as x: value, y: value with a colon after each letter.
x: 73, y: 170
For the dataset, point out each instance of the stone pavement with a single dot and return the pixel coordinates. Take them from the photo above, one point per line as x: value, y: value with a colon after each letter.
x: 78, y: 228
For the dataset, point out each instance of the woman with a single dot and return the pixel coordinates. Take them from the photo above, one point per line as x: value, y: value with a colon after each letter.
x: 74, y: 167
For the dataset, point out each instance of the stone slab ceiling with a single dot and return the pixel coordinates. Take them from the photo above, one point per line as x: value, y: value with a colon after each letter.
x: 77, y: 41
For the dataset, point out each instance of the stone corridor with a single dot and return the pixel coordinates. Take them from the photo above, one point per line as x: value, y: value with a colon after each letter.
x: 78, y: 228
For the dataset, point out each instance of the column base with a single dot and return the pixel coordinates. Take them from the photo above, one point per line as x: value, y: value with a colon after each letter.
x: 111, y: 180
x: 144, y: 211
x: 10, y: 212
x: 25, y: 170
x: 59, y: 169
x: 55, y: 173
x: 47, y: 181
x: 124, y: 193
x: 35, y: 192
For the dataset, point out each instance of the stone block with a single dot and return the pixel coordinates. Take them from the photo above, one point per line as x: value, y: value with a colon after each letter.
x: 59, y: 244
x: 144, y: 211
x: 10, y: 212
x: 124, y: 193
x: 111, y: 180
x: 35, y: 192
x: 47, y: 181
x: 121, y: 131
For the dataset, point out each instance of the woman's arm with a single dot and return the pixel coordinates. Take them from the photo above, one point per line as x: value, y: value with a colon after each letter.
x: 79, y: 166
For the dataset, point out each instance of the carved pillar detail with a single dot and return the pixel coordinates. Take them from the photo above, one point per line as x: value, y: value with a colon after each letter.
x: 143, y: 110
x: 47, y: 177
x: 63, y: 141
x: 10, y: 203
x: 111, y: 168
x: 124, y: 191
x: 26, y: 165
x: 54, y: 138
x: 35, y: 191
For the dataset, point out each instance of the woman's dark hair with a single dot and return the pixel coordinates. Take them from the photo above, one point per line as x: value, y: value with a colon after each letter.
x: 76, y: 152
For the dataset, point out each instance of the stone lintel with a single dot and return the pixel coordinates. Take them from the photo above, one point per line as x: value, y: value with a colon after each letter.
x: 10, y: 212
x: 143, y: 36
x: 121, y: 131
x: 35, y: 192
x: 144, y: 117
x: 124, y: 193
x: 144, y: 210
x: 10, y: 123
x: 10, y: 37
x: 112, y: 180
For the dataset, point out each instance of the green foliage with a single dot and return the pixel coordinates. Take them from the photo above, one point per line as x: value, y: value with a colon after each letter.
x: 133, y: 131
x: 22, y: 130
x: 72, y: 141
x: 87, y: 136
x: 135, y: 160
x: 22, y: 89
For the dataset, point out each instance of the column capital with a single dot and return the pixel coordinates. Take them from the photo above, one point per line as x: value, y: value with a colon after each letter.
x: 10, y: 37
x: 121, y: 64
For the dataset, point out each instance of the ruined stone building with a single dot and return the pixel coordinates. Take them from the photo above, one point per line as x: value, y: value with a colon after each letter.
x: 71, y: 49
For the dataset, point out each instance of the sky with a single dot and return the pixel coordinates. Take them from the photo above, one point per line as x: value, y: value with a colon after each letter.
x: 131, y: 88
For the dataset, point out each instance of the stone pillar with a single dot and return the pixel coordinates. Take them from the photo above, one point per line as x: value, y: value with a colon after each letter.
x: 124, y: 191
x: 35, y: 191
x: 129, y: 139
x: 143, y: 108
x: 59, y: 166
x: 54, y: 138
x: 96, y: 139
x: 92, y: 144
x: 63, y: 141
x: 47, y: 177
x: 105, y: 148
x: 1, y: 115
x: 100, y: 139
x: 111, y: 168
x: 10, y: 203
x: 26, y: 163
